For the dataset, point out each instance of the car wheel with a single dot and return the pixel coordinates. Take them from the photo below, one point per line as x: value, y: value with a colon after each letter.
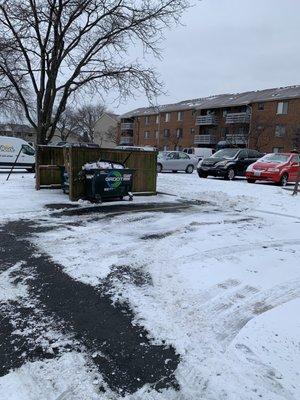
x: 251, y: 180
x: 189, y: 169
x: 230, y: 174
x: 159, y: 168
x: 283, y: 180
x: 202, y: 174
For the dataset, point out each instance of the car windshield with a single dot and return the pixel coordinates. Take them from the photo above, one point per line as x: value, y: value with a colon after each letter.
x: 225, y: 153
x: 162, y: 154
x: 275, y: 158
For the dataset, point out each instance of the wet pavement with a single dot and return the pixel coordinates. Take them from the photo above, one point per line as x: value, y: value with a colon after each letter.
x: 59, y: 314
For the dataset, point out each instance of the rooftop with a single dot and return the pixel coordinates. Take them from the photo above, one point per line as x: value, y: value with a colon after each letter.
x: 221, y: 100
x: 20, y: 128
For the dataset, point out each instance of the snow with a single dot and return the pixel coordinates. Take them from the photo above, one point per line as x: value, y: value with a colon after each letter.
x: 19, y: 199
x: 225, y: 287
x: 63, y: 379
x: 102, y: 165
x: 8, y: 289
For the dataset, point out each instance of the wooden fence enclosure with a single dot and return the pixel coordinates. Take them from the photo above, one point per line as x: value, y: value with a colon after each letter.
x: 51, y: 158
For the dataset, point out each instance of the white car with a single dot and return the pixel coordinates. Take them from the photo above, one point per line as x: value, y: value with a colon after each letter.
x: 176, y: 161
x: 15, y: 151
x: 136, y: 148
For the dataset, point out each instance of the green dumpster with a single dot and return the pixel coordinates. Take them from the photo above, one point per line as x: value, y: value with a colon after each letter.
x: 107, y: 180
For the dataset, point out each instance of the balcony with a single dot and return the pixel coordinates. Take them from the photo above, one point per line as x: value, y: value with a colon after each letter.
x: 126, y: 140
x: 238, y: 118
x: 236, y: 139
x: 126, y: 126
x: 206, y: 120
x: 205, y: 139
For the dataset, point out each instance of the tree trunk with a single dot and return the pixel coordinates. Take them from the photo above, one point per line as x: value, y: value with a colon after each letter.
x: 295, y: 192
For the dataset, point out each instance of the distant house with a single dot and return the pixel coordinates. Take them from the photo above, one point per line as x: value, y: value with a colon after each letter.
x: 105, y: 130
x: 28, y: 134
x: 21, y: 131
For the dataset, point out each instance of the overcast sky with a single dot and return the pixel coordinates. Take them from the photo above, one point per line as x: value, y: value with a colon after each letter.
x: 228, y: 46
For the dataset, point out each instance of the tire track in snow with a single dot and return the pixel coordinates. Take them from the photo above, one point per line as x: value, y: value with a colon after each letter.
x: 229, y: 250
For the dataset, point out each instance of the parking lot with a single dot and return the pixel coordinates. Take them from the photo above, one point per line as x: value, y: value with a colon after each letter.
x: 168, y: 297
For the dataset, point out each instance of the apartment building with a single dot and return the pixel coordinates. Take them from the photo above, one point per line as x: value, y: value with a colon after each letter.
x: 268, y: 120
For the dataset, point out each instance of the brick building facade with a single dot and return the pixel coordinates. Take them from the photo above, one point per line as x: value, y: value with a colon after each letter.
x: 268, y: 120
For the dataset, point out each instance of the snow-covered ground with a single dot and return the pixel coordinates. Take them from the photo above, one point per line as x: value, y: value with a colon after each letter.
x: 223, y: 287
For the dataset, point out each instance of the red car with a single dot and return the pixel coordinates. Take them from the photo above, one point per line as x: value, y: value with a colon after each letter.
x: 279, y: 168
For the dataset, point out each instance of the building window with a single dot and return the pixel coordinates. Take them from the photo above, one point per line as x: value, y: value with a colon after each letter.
x: 147, y: 135
x: 277, y: 149
x: 261, y: 106
x: 147, y: 120
x: 282, y: 107
x: 157, y: 119
x: 165, y: 148
x: 242, y: 130
x: 279, y: 131
x: 225, y: 113
x: 167, y: 117
x: 192, y: 131
x: 156, y: 134
x: 180, y: 116
x: 225, y: 132
x: 179, y: 133
x: 166, y: 133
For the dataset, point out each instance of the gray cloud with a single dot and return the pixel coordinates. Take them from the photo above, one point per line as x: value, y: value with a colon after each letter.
x: 228, y: 46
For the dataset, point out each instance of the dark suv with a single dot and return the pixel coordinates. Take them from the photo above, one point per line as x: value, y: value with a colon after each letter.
x: 228, y: 163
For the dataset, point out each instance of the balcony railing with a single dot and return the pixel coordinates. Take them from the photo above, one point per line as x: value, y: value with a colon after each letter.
x: 238, y: 118
x: 125, y: 140
x: 236, y: 139
x: 205, y: 139
x: 206, y: 120
x: 126, y: 126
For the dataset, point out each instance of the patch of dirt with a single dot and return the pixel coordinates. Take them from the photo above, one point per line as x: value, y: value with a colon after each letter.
x: 260, y: 307
x: 115, y: 209
x: 158, y: 236
x: 125, y: 274
x: 61, y: 206
x: 229, y: 283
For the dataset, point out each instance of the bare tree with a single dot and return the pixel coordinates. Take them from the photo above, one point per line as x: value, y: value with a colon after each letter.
x: 66, y: 125
x: 84, y: 119
x: 259, y: 136
x: 53, y: 50
x: 176, y: 138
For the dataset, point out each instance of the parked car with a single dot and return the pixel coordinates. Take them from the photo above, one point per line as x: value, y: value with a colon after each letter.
x: 279, y: 168
x: 136, y: 148
x: 77, y: 144
x: 228, y: 163
x: 176, y: 161
x: 199, y: 152
x: 10, y: 148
